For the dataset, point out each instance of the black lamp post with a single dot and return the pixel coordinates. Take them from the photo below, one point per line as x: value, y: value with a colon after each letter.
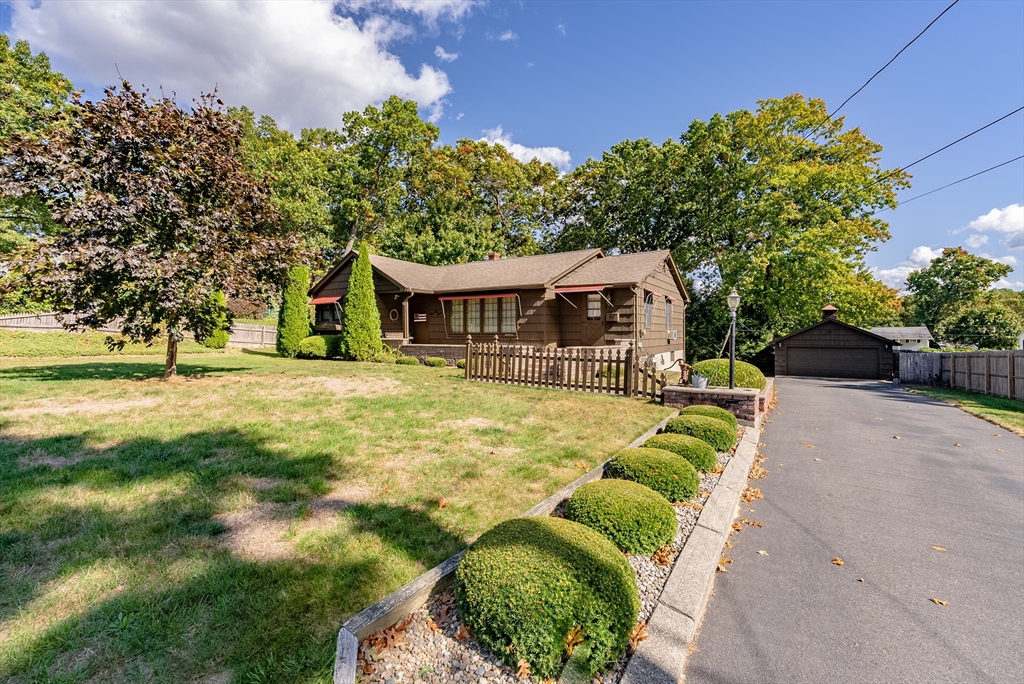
x: 734, y: 303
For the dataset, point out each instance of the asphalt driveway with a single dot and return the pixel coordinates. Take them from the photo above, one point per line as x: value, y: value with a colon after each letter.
x: 880, y: 504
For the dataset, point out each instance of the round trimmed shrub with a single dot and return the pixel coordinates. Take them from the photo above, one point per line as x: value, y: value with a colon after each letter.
x: 461, y: 363
x: 717, y: 433
x: 526, y: 583
x: 635, y: 518
x: 717, y: 373
x: 435, y: 362
x: 314, y: 347
x: 699, y: 453
x: 666, y: 473
x: 407, y: 361
x: 711, y: 412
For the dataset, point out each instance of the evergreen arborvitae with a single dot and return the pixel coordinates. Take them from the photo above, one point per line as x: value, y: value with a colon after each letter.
x: 293, y: 317
x: 222, y: 332
x: 361, y: 333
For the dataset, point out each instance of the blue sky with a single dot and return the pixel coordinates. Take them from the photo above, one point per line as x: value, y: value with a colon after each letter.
x: 565, y: 80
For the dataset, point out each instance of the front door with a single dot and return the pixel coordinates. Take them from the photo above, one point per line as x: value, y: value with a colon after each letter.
x: 420, y: 330
x: 593, y: 320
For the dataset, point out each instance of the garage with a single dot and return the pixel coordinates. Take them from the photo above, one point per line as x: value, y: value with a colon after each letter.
x: 833, y: 349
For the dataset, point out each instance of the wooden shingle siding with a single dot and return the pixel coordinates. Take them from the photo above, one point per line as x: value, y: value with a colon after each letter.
x: 656, y: 340
x: 834, y: 350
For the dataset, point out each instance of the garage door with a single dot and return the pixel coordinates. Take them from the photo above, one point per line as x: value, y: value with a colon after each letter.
x: 833, y: 362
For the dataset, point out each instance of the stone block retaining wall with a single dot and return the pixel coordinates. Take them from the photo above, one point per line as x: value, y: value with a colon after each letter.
x: 748, y: 405
x: 449, y: 352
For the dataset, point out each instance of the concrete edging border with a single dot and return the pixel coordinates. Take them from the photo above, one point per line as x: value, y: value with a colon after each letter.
x: 661, y: 658
x: 404, y: 600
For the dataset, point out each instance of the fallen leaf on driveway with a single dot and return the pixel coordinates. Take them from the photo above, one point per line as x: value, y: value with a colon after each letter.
x: 752, y: 523
x: 757, y: 472
x: 761, y: 444
x: 860, y: 579
x: 996, y: 434
x: 938, y: 548
x: 737, y: 527
x: 1000, y: 451
x: 817, y: 459
x: 837, y: 561
x: 750, y: 495
x: 872, y: 440
x: 763, y: 552
x: 722, y: 562
x: 939, y: 601
x: 895, y: 436
x: 877, y: 418
x: 809, y: 446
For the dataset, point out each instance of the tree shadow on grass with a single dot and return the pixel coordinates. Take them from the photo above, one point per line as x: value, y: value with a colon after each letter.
x: 171, y: 601
x: 112, y: 370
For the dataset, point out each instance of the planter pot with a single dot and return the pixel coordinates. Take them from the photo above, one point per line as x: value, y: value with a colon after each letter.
x: 698, y: 381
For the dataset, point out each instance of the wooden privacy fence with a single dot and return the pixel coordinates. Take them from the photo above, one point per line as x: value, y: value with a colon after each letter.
x: 999, y: 373
x: 601, y: 370
x: 242, y: 334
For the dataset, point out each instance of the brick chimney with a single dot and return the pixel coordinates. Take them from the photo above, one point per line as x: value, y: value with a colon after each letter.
x: 493, y: 256
x: 830, y: 313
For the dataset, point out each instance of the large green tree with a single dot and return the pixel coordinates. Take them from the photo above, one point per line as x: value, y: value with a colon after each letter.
x: 33, y: 98
x: 986, y: 326
x: 156, y: 214
x: 778, y: 202
x: 954, y: 280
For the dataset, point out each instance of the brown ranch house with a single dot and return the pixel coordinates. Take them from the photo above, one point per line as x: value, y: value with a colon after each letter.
x: 571, y: 299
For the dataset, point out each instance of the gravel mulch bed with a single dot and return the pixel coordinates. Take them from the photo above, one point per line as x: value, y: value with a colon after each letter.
x: 431, y: 646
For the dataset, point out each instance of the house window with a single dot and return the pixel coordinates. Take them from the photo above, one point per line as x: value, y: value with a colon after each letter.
x: 458, y: 316
x: 327, y: 313
x: 648, y: 310
x: 508, y: 314
x: 668, y: 313
x: 593, y: 307
x: 491, y: 315
x: 473, y: 316
x: 484, y: 315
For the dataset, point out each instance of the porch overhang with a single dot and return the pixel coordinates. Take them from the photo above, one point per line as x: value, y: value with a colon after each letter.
x: 324, y: 300
x: 489, y: 295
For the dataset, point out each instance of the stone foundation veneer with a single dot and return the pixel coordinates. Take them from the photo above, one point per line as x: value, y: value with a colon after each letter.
x: 748, y: 405
x: 449, y: 352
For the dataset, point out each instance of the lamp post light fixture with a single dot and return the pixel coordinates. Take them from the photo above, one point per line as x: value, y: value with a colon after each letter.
x: 734, y: 303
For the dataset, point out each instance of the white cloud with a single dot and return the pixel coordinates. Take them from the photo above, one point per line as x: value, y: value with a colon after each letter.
x: 507, y: 36
x: 976, y: 240
x: 918, y: 258
x: 302, y: 62
x: 561, y: 29
x: 430, y: 11
x: 461, y: 114
x: 552, y: 155
x: 1007, y: 220
x: 1009, y: 259
x: 530, y: 65
x: 444, y: 55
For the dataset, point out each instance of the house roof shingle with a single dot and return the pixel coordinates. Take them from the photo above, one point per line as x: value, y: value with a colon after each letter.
x: 619, y: 269
x: 905, y: 333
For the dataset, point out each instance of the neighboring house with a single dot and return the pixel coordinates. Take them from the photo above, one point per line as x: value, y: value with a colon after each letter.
x: 1020, y: 341
x: 833, y: 349
x: 906, y: 339
x: 570, y: 299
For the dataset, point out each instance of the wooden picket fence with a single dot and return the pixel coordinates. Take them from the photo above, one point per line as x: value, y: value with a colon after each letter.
x: 600, y: 370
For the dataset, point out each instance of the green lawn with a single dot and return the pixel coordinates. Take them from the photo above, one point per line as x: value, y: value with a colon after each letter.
x: 28, y: 344
x: 1007, y: 413
x: 220, y: 527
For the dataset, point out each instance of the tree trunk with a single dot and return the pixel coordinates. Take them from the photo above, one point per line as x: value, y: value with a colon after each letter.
x: 171, y: 364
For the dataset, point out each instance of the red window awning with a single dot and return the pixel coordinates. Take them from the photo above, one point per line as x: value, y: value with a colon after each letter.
x: 324, y: 300
x: 581, y: 288
x: 448, y: 298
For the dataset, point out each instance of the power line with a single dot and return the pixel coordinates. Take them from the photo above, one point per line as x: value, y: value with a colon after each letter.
x: 944, y: 147
x: 857, y: 92
x: 949, y: 185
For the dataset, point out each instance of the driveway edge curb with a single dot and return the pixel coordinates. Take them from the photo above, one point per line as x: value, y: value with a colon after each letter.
x: 661, y: 658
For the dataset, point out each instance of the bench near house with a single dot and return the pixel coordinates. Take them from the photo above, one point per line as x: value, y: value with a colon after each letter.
x: 571, y: 299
